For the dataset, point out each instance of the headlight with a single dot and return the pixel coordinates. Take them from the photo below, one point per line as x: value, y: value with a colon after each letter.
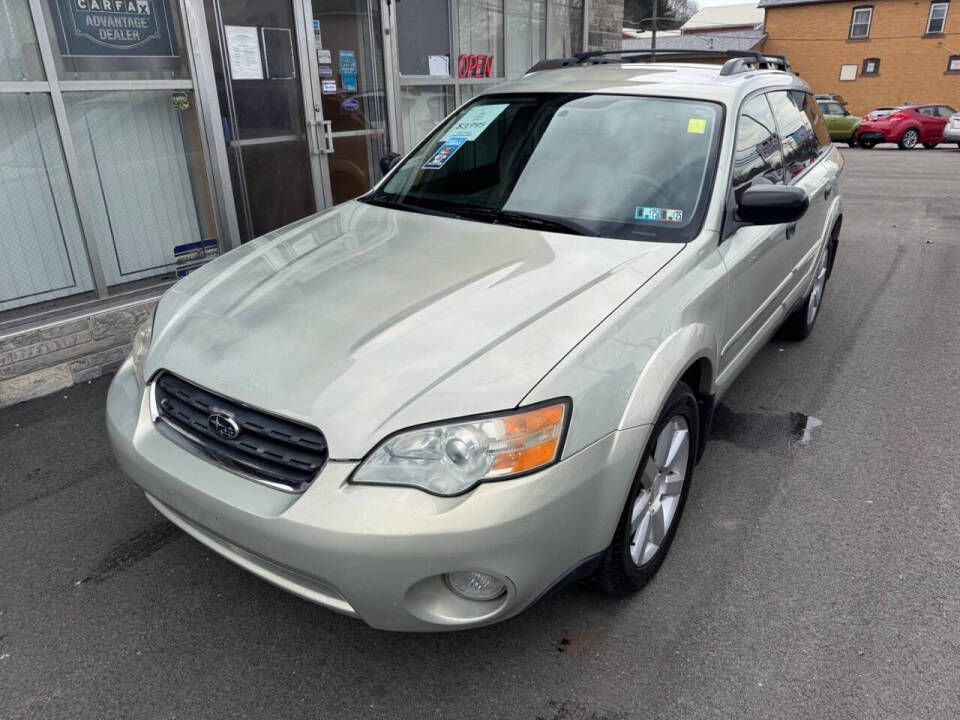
x: 453, y: 457
x: 141, y: 346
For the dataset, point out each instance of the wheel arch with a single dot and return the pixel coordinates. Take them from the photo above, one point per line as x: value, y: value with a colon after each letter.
x: 688, y: 355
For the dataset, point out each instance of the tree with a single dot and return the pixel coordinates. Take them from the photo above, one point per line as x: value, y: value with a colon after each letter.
x: 673, y: 13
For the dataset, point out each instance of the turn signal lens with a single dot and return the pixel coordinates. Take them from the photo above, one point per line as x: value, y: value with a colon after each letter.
x: 531, y: 440
x: 452, y: 458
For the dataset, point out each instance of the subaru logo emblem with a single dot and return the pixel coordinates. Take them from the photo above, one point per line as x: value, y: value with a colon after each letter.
x: 223, y: 426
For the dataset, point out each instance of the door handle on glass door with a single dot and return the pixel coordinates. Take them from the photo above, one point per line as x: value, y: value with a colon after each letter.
x: 326, y: 143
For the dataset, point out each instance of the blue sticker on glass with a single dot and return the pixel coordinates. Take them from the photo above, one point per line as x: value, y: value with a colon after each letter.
x: 655, y: 214
x: 444, y: 153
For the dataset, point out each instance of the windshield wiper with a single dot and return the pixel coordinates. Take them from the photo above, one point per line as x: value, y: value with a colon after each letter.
x: 383, y: 202
x: 525, y: 219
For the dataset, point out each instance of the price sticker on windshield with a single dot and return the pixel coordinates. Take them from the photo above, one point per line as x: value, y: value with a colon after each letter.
x: 697, y: 126
x: 475, y: 121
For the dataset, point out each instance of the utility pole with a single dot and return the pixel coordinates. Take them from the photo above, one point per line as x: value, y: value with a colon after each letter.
x: 653, y: 39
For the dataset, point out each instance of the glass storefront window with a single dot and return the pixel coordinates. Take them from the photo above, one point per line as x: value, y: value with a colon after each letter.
x: 526, y: 35
x: 19, y: 57
x: 41, y: 245
x: 422, y: 109
x: 143, y: 176
x: 564, y: 27
x: 111, y: 44
x: 423, y: 29
x: 481, y: 38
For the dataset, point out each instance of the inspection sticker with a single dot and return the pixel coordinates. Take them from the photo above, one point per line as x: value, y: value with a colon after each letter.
x: 475, y: 121
x: 655, y: 214
x: 444, y: 153
x: 697, y: 126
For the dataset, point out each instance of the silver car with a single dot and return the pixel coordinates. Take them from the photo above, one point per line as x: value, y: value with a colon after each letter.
x: 951, y: 131
x: 495, y: 372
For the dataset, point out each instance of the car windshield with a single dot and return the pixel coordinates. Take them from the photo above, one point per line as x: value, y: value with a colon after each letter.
x: 605, y: 165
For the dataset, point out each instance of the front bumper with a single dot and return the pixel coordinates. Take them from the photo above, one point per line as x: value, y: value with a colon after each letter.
x: 379, y: 553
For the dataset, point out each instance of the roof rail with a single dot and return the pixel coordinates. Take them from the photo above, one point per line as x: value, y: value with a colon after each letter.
x: 738, y: 60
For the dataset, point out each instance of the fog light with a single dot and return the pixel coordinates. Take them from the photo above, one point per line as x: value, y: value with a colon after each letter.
x: 474, y: 585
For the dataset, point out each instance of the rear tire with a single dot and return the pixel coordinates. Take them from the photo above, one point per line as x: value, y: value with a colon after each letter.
x: 930, y: 146
x: 655, y: 502
x: 852, y: 142
x: 799, y: 324
x: 909, y: 139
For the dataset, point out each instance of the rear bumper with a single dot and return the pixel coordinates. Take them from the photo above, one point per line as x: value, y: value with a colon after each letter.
x: 379, y: 553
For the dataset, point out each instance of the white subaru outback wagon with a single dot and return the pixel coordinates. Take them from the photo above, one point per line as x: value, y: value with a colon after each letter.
x: 494, y: 372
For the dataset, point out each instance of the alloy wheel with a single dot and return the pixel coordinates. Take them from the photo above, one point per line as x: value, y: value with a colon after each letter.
x: 661, y: 483
x: 816, y: 292
x: 909, y: 139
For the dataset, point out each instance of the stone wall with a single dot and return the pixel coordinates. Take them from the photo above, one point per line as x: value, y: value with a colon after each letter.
x: 39, y: 362
x: 605, y: 24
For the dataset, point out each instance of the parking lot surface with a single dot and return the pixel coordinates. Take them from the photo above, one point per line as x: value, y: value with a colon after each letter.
x: 816, y: 573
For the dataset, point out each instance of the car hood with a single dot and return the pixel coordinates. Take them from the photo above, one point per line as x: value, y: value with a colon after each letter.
x: 365, y: 320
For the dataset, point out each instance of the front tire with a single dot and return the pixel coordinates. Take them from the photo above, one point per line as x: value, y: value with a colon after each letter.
x: 656, y: 499
x: 930, y: 146
x: 868, y: 144
x: 852, y: 142
x: 909, y: 139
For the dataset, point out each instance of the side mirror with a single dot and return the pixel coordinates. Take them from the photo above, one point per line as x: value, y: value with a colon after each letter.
x: 388, y: 161
x: 772, y: 204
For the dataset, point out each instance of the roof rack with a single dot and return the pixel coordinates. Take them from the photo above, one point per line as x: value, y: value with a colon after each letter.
x: 739, y: 60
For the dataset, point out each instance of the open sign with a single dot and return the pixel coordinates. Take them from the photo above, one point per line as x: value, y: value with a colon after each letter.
x: 480, y: 66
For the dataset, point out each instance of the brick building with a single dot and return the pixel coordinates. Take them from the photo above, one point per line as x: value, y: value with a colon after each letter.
x: 880, y: 53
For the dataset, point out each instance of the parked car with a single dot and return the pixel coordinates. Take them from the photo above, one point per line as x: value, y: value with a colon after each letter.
x: 951, y: 133
x: 494, y: 372
x: 908, y: 126
x: 841, y: 124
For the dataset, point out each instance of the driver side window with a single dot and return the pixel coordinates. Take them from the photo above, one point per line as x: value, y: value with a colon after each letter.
x: 757, y: 157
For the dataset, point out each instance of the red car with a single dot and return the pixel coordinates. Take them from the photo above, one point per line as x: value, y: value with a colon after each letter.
x: 907, y: 126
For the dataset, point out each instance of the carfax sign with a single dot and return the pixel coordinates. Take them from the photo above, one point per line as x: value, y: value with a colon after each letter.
x: 114, y: 28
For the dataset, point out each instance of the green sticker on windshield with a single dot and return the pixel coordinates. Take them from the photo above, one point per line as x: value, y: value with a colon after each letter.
x: 475, y: 121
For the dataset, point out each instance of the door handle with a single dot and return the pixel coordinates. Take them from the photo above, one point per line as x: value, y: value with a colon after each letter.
x: 828, y: 191
x: 791, y: 230
x: 326, y: 143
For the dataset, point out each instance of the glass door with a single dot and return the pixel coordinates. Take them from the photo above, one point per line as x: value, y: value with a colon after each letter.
x: 349, y: 105
x: 263, y: 80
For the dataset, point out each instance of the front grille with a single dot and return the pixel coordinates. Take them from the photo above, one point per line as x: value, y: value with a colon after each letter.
x: 266, y: 448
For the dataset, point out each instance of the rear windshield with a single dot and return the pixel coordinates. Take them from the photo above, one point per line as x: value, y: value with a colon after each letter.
x: 608, y: 165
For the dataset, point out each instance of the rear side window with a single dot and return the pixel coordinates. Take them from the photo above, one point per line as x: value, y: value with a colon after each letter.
x: 946, y: 111
x: 802, y: 139
x: 758, y: 148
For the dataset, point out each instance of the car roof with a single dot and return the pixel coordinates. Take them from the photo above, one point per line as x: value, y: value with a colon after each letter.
x: 670, y: 79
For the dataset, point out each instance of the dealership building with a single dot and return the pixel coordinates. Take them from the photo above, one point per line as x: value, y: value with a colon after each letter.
x: 140, y: 138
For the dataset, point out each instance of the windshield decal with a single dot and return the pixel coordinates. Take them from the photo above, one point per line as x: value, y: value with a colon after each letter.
x: 655, y: 214
x: 475, y: 121
x: 444, y: 153
x: 697, y: 126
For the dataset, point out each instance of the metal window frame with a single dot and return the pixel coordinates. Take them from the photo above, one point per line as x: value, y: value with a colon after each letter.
x: 395, y: 82
x: 216, y: 180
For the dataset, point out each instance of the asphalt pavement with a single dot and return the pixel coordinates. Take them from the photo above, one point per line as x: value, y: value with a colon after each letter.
x: 816, y: 573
